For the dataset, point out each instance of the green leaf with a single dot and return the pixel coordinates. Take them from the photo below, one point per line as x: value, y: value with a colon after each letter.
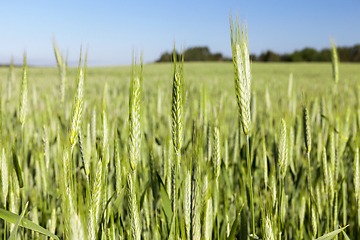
x: 166, y: 203
x: 143, y: 194
x: 332, y: 234
x: 17, y: 166
x: 234, y: 226
x: 119, y: 200
x: 345, y: 235
x: 23, y: 222
x: 172, y: 228
x: 13, y: 232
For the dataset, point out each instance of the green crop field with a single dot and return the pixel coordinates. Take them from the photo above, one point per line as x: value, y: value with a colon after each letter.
x: 180, y: 151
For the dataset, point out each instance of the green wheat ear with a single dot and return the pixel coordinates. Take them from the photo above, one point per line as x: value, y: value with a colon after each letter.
x: 24, y: 93
x: 77, y: 105
x: 242, y: 73
x: 177, y: 107
x: 62, y: 65
x: 216, y: 152
x: 282, y: 152
x: 335, y: 61
x: 134, y: 115
x: 307, y: 132
x: 133, y: 207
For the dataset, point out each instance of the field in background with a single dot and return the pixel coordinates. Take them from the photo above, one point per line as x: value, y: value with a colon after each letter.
x: 311, y: 78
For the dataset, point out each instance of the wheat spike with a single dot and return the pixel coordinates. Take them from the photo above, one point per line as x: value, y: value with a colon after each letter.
x: 133, y: 208
x: 282, y: 150
x: 177, y: 108
x: 208, y: 220
x: 134, y: 120
x: 96, y: 200
x: 313, y: 221
x: 77, y: 106
x: 67, y: 197
x: 307, y: 133
x: 24, y: 94
x: 265, y: 163
x: 62, y: 65
x: 242, y: 74
x: 216, y: 153
x: 335, y: 61
x: 46, y: 148
x: 269, y: 234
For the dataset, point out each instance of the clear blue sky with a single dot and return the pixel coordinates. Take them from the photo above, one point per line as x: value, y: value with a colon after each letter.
x: 112, y: 29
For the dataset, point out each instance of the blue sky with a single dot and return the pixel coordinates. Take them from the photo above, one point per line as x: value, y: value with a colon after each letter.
x: 113, y: 29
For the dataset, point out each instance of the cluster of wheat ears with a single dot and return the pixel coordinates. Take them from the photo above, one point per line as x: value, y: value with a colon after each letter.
x: 161, y: 173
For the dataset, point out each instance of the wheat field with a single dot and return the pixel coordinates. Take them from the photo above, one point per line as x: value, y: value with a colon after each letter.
x: 178, y: 151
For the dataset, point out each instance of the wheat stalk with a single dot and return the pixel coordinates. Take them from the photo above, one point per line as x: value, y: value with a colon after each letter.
x: 242, y: 79
x: 208, y: 141
x: 326, y: 172
x: 117, y: 163
x: 187, y: 204
x: 88, y: 151
x: 356, y: 173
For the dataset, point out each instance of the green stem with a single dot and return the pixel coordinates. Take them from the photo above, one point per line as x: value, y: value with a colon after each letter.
x: 217, y: 208
x: 281, y: 183
x: 309, y: 176
x: 250, y: 184
x: 327, y: 215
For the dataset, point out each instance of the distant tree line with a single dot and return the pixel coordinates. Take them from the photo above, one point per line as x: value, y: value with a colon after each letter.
x: 194, y: 54
x: 346, y: 54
